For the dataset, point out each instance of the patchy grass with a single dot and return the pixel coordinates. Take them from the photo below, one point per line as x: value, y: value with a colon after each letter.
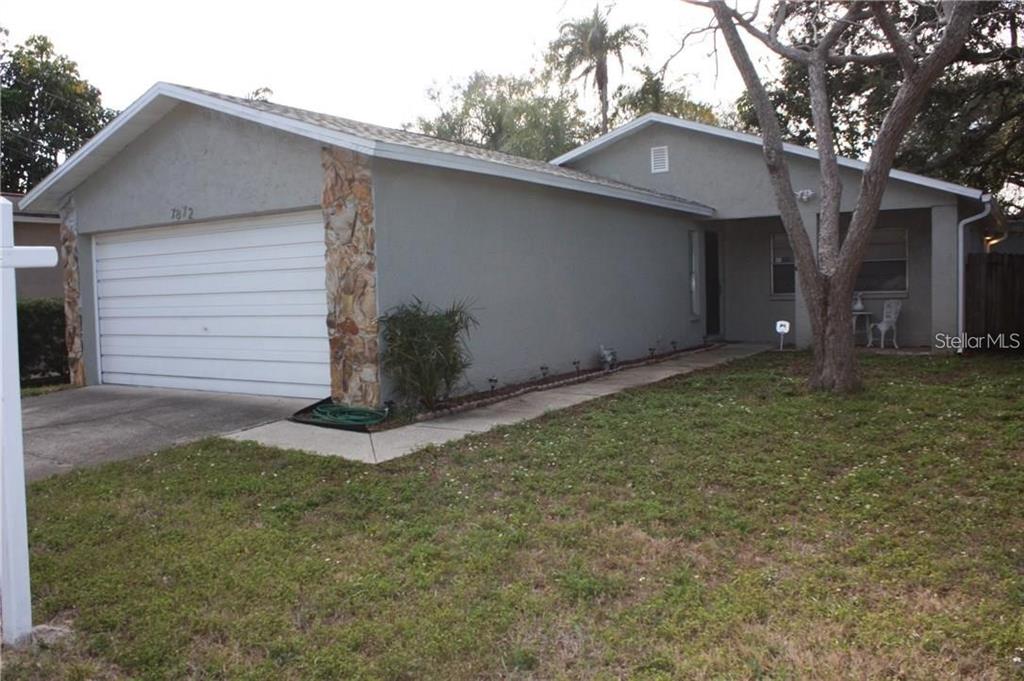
x: 727, y: 524
x: 33, y: 391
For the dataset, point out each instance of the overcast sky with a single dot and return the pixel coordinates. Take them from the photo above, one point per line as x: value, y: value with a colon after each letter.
x: 372, y: 61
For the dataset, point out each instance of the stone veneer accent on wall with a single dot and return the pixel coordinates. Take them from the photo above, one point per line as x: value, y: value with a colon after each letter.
x: 352, y: 325
x: 72, y: 292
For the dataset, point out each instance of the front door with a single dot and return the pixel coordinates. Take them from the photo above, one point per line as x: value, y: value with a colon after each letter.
x: 712, y: 284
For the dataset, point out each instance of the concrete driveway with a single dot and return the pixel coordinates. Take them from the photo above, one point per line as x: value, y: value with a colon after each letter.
x: 96, y: 424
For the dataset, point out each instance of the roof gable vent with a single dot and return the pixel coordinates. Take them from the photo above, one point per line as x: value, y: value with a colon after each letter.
x: 659, y: 159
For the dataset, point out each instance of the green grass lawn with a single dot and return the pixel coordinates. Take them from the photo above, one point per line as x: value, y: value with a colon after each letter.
x: 726, y: 524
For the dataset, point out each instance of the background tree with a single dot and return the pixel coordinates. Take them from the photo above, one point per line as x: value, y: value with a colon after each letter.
x: 260, y: 94
x: 970, y: 129
x: 47, y: 111
x: 584, y: 46
x: 517, y: 115
x: 653, y: 95
x: 841, y: 33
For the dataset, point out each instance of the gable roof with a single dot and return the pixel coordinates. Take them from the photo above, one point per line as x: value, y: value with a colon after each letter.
x: 650, y: 119
x: 372, y: 140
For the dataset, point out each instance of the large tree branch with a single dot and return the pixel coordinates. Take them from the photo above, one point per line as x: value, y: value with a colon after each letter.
x: 897, y: 121
x: 875, y: 59
x: 723, y: 11
x: 774, y: 154
x: 781, y: 12
x: 824, y: 130
x: 854, y: 15
x: 831, y: 183
x: 1007, y: 54
x: 900, y: 47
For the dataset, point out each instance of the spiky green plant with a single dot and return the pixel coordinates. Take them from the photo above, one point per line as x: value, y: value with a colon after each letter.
x: 425, y: 352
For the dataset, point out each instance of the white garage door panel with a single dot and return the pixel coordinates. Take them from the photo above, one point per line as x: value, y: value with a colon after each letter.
x: 251, y: 353
x: 243, y: 300
x: 215, y: 385
x: 228, y: 369
x: 184, y: 270
x: 231, y: 282
x: 111, y: 311
x: 252, y: 253
x: 211, y: 237
x: 250, y: 327
x: 236, y: 306
x: 225, y: 345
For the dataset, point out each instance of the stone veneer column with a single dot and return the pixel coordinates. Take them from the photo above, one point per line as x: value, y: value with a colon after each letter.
x: 352, y: 326
x: 68, y: 252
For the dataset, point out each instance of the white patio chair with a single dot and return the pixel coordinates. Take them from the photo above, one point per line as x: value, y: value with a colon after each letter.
x: 890, y: 315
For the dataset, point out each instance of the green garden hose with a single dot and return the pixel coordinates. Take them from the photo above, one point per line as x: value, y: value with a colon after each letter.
x: 341, y: 415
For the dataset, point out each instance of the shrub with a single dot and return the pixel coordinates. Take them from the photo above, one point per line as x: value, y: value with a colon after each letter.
x: 425, y: 351
x: 41, y: 350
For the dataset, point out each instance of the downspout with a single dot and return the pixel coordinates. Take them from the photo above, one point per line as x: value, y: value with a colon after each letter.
x: 961, y: 265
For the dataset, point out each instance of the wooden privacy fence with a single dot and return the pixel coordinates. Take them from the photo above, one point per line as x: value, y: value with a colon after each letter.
x: 995, y: 294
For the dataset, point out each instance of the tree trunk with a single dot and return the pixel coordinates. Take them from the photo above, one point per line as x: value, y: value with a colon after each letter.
x: 601, y: 78
x: 827, y: 278
x: 835, y: 366
x: 604, y: 111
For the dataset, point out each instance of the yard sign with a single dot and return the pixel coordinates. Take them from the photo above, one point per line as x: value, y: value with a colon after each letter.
x: 14, y: 584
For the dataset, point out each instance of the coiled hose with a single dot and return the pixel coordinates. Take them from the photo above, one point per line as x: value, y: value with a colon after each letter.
x: 341, y: 415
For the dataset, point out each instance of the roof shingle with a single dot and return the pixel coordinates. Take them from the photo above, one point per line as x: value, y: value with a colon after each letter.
x: 379, y: 133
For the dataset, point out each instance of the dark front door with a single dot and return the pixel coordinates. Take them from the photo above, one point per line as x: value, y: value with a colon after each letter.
x: 712, y: 284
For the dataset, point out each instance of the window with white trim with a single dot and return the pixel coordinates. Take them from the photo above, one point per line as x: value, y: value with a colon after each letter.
x: 659, y: 159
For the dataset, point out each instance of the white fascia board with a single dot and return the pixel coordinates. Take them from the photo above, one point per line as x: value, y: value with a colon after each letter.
x: 76, y: 158
x: 605, y: 139
x: 438, y: 159
x: 650, y: 119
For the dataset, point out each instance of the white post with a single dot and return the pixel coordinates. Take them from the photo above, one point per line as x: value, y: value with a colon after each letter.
x: 15, y: 595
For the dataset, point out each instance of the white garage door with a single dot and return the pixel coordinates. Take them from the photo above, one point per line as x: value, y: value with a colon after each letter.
x: 232, y: 306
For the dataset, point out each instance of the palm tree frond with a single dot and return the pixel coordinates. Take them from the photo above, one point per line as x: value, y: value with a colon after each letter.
x: 588, y: 43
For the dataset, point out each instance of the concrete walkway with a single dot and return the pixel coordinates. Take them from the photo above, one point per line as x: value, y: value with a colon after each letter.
x: 391, y: 444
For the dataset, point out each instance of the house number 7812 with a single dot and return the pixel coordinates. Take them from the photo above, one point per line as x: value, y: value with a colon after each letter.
x: 181, y: 213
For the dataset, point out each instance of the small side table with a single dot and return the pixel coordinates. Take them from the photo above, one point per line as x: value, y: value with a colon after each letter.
x: 866, y: 316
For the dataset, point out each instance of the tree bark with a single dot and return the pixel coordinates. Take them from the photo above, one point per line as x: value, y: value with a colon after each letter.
x: 601, y: 77
x: 835, y: 366
x: 809, y: 279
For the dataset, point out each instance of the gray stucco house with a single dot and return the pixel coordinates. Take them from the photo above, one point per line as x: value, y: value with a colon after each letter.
x: 216, y: 243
